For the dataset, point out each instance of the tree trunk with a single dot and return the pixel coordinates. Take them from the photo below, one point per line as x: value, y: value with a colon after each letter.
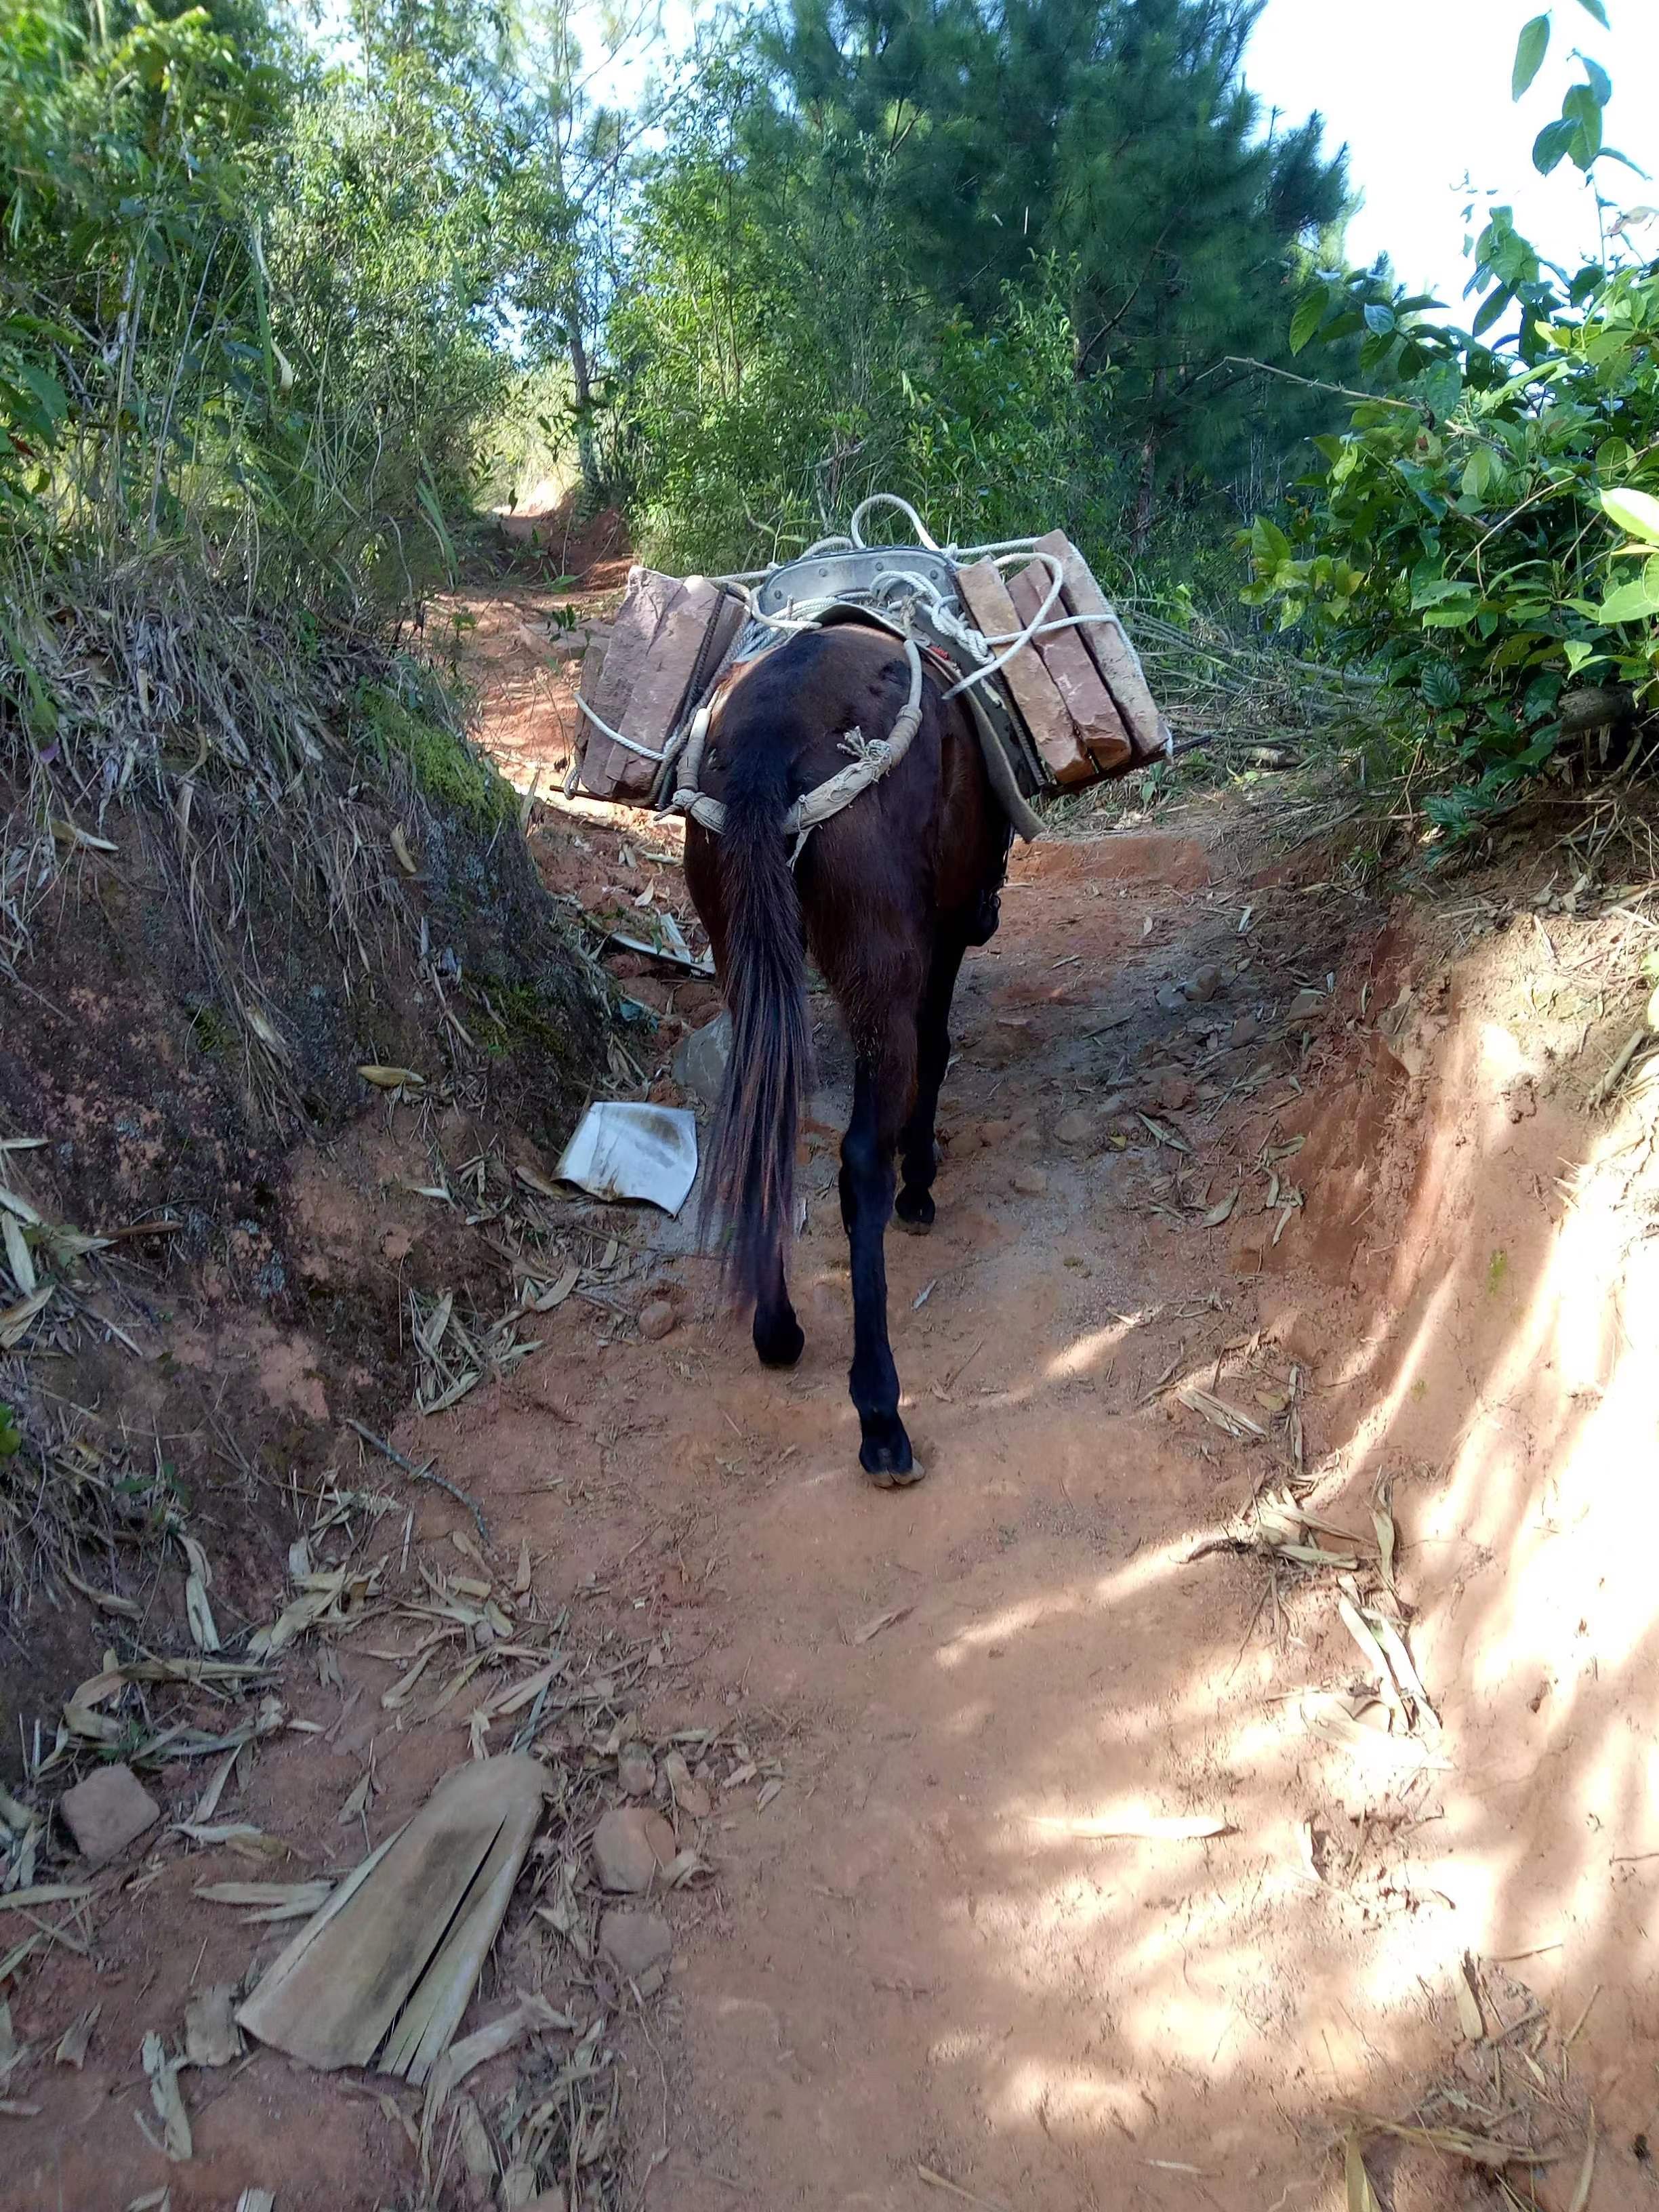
x: 1147, y: 495
x: 582, y: 382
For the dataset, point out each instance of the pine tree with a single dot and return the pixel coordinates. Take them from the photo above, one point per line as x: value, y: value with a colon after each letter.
x: 1118, y: 135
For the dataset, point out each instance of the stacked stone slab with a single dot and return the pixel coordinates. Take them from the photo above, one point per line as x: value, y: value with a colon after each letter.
x: 636, y: 682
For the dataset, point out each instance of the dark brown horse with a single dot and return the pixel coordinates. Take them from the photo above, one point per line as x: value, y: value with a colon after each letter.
x: 886, y: 896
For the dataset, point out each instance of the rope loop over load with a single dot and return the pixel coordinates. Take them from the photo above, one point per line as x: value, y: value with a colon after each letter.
x: 872, y: 759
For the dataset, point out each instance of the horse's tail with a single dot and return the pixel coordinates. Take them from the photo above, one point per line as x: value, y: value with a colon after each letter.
x: 750, y: 1178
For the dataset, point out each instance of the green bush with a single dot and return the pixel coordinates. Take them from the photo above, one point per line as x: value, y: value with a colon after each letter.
x: 1484, y: 536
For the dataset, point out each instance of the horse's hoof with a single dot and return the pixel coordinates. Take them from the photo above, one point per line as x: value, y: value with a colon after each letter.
x: 914, y: 1212
x: 888, y: 1460
x: 891, y: 1479
x: 781, y: 1346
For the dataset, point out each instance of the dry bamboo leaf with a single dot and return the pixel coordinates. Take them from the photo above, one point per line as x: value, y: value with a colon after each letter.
x: 558, y: 1292
x: 1217, y: 1214
x: 76, y: 2040
x: 1371, y: 1652
x: 1404, y: 1672
x: 105, y: 1600
x: 400, y: 1691
x: 152, y: 2200
x: 198, y: 1613
x: 391, y: 1079
x: 521, y: 1573
x: 257, y: 2200
x: 955, y: 2188
x: 14, y: 1320
x: 483, y: 2044
x: 71, y: 833
x: 520, y: 1694
x: 1362, y: 2197
x: 1470, y: 2023
x: 266, y: 1035
x: 46, y: 1892
x: 1587, y: 2171
x: 1134, y: 1825
x: 870, y: 1628
x: 400, y: 847
x: 21, y: 1207
x: 533, y: 1179
x: 163, y: 2073
x: 1383, y: 1522
x: 273, y: 1900
x: 18, y: 1256
x: 1218, y: 1412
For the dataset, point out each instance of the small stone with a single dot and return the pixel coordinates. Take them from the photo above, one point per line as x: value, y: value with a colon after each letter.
x: 1174, y: 1091
x: 657, y: 1320
x: 1245, y: 1030
x: 629, y: 1845
x: 1030, y: 1182
x: 1202, y: 987
x: 635, y: 1942
x: 1171, y: 998
x: 1074, y: 1129
x: 637, y: 1770
x: 106, y: 1811
x: 211, y: 2036
x: 699, y: 1060
x: 995, y: 1133
x: 1304, y: 1003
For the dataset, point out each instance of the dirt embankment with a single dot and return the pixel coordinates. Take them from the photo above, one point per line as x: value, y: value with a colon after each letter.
x: 1247, y: 1723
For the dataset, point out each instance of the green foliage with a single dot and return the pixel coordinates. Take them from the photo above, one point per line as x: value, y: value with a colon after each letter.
x: 1011, y: 263
x: 11, y: 1434
x: 263, y: 304
x: 1455, y: 538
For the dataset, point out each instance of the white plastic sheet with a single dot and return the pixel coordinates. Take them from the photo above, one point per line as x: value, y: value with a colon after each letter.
x: 622, y: 1148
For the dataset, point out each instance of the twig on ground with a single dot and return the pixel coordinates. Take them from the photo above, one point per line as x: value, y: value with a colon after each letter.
x: 426, y: 1473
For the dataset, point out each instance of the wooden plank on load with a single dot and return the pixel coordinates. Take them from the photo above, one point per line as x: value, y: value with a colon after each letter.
x: 1025, y: 680
x: 1076, y: 679
x: 1110, y: 648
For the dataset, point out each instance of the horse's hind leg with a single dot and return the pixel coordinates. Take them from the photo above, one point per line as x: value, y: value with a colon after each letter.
x: 881, y: 1091
x: 918, y: 1153
x: 778, y: 1337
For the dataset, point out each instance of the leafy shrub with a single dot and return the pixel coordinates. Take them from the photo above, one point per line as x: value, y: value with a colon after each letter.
x: 1457, y: 538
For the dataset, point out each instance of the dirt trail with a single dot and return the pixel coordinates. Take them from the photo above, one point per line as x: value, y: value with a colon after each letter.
x: 931, y: 1954
x: 1070, y: 1850
x: 936, y: 1954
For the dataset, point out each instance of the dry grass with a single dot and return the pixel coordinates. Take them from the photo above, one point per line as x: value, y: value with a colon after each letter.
x: 144, y: 703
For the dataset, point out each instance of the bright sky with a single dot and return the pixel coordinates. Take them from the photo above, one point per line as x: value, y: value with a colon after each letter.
x: 1419, y: 90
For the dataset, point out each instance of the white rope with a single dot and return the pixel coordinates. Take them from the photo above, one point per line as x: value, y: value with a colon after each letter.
x: 617, y: 736
x: 924, y: 536
x: 873, y: 758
